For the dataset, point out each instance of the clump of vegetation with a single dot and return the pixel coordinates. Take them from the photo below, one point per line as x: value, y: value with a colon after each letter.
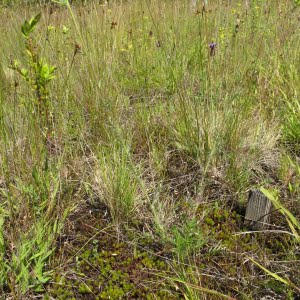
x: 131, y: 133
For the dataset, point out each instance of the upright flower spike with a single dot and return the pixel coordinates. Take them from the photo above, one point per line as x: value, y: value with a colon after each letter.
x: 212, y: 47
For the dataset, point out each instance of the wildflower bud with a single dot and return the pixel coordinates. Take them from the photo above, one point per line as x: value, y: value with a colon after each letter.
x: 77, y: 48
x: 212, y: 47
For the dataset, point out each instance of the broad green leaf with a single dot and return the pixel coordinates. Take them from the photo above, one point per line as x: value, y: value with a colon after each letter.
x: 34, y: 20
x: 44, y: 71
x: 25, y: 29
x: 29, y: 27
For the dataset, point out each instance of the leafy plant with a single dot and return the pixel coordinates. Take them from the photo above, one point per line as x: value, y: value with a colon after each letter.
x: 188, y: 239
x: 37, y: 72
x: 29, y: 260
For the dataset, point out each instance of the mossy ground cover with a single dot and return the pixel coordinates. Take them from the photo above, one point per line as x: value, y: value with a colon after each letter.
x: 107, y: 266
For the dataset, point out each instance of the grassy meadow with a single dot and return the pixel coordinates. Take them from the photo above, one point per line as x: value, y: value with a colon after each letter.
x: 130, y: 135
